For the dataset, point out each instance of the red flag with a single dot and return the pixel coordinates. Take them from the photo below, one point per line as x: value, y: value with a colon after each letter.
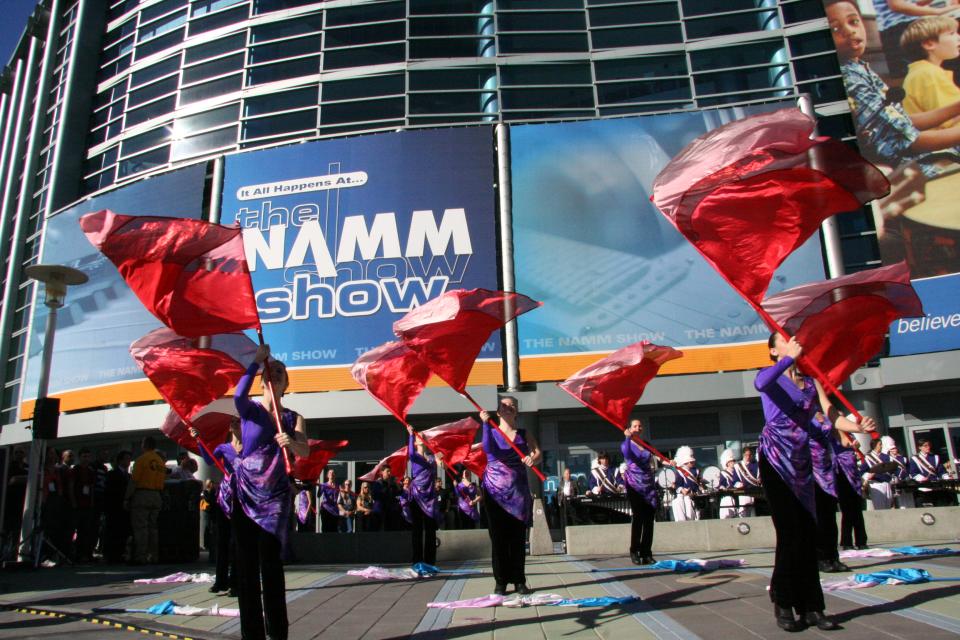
x: 749, y: 193
x: 448, y: 332
x: 476, y: 460
x: 453, y: 440
x: 213, y: 427
x: 393, y: 375
x: 611, y: 386
x: 321, y: 451
x: 842, y: 323
x: 397, y: 461
x: 190, y: 274
x: 190, y: 378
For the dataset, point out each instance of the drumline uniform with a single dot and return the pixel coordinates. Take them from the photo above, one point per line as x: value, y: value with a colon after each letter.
x: 729, y: 480
x: 603, y: 481
x: 881, y: 492
x: 749, y: 475
x: 849, y: 496
x: 683, y: 505
x: 922, y: 467
x: 904, y: 498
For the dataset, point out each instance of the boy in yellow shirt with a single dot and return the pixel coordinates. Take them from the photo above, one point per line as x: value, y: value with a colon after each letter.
x: 928, y: 86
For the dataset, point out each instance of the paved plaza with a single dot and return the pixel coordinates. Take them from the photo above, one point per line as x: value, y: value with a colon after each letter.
x: 324, y: 602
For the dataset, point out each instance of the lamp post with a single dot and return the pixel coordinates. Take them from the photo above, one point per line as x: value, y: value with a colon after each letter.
x: 56, y: 279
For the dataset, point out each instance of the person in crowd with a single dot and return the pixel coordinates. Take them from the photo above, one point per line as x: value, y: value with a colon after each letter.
x: 879, y: 487
x: 507, y: 499
x: 825, y: 494
x: 366, y: 518
x: 443, y: 502
x: 603, y: 479
x: 55, y: 510
x: 729, y: 506
x: 468, y: 502
x: 386, y: 494
x: 849, y: 485
x: 306, y: 512
x: 903, y: 499
x: 794, y: 406
x: 404, y: 499
x: 186, y: 468
x: 346, y: 507
x: 641, y: 492
x: 748, y: 472
x: 80, y: 484
x: 687, y: 486
x: 144, y: 493
x: 929, y: 42
x: 424, y: 506
x: 888, y: 134
x: 101, y: 469
x: 926, y: 466
x: 16, y: 492
x: 328, y: 493
x: 261, y: 503
x: 116, y: 527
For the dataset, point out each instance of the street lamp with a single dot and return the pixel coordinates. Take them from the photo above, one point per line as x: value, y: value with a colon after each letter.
x: 56, y: 279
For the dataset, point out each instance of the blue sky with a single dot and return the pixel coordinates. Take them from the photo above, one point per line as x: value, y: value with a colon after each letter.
x: 15, y: 14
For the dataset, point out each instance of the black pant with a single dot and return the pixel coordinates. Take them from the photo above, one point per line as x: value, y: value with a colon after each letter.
x: 329, y: 523
x: 226, y: 552
x: 852, y: 527
x: 116, y: 532
x: 258, y: 561
x: 507, y: 540
x: 796, y: 580
x: 424, y: 536
x: 826, y: 527
x: 641, y: 528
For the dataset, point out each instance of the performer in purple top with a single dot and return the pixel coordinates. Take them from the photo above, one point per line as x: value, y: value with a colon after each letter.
x: 506, y: 495
x: 642, y: 494
x: 468, y: 497
x: 849, y: 493
x: 794, y: 407
x: 424, y: 509
x: 261, y: 506
x: 327, y: 493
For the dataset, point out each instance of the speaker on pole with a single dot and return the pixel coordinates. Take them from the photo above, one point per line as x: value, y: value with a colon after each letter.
x: 46, y: 418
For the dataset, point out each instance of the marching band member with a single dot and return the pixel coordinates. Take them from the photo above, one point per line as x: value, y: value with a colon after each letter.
x: 688, y: 484
x: 603, y: 477
x: 904, y: 499
x: 729, y: 480
x: 642, y: 493
x: 748, y: 472
x: 926, y: 466
x: 849, y: 493
x: 881, y: 492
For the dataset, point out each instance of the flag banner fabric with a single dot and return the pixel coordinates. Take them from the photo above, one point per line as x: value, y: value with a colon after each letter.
x: 396, y: 461
x: 476, y: 460
x: 749, y: 193
x: 213, y: 427
x: 192, y: 275
x: 448, y: 332
x: 393, y: 375
x: 612, y: 385
x: 321, y: 452
x: 842, y: 323
x: 453, y: 439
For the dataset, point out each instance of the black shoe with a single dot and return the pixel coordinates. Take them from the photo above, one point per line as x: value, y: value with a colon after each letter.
x: 648, y: 560
x: 500, y: 589
x: 522, y: 589
x: 216, y: 588
x: 838, y: 567
x: 232, y: 593
x: 825, y: 566
x: 820, y: 621
x: 635, y: 558
x: 846, y: 547
x: 861, y: 547
x: 785, y: 619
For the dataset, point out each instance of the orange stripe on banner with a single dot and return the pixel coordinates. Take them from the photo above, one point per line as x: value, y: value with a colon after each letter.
x: 301, y: 381
x: 695, y: 360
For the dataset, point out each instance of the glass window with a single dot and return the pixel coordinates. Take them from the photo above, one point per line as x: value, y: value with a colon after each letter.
x: 213, y: 68
x: 543, y: 43
x: 444, y: 26
x: 203, y: 7
x: 285, y: 49
x: 802, y: 10
x: 646, y: 91
x: 266, y: 6
x: 813, y: 42
x: 424, y: 103
x: 817, y: 67
x: 636, y: 36
x: 159, y: 9
x: 211, y: 89
x: 283, y: 70
x: 565, y: 97
x: 746, y: 96
x: 145, y: 162
x: 203, y: 143
x: 151, y: 91
x: 856, y: 222
x: 762, y: 52
x: 541, y: 21
x: 651, y: 107
x: 148, y: 112
x: 298, y: 26
x: 283, y: 123
x: 540, y: 4
x: 634, y: 14
x: 159, y: 44
x: 365, y: 87
x: 362, y: 111
x: 372, y: 12
x: 737, y: 80
x: 370, y: 34
x: 465, y: 47
x: 860, y: 249
x: 119, y: 49
x: 206, y: 120
x: 110, y: 70
x: 574, y: 73
x: 644, y: 67
x: 296, y: 137
x: 151, y: 138
x: 215, y: 48
x: 472, y: 78
x: 838, y: 126
x: 217, y: 20
x: 703, y: 7
x: 731, y: 23
x: 101, y: 160
x: 364, y: 56
x: 823, y: 91
x: 155, y: 71
x: 546, y: 114
x: 119, y: 9
x: 281, y: 101
x: 162, y: 26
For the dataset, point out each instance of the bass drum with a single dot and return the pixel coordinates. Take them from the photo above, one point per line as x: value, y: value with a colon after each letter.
x: 711, y: 476
x: 666, y: 481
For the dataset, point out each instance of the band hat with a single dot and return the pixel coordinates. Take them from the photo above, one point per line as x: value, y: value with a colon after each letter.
x: 684, y: 455
x: 887, y: 443
x: 726, y: 457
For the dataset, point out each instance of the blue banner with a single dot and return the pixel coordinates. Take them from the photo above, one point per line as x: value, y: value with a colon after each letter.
x: 345, y: 236
x: 102, y: 317
x: 939, y: 329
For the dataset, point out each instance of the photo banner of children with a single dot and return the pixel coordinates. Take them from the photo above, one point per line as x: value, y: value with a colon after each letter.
x: 899, y: 60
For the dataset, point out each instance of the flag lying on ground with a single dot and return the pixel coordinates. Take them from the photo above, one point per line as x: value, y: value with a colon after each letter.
x: 321, y: 452
x: 448, y: 332
x: 612, y: 385
x: 393, y: 375
x: 749, y: 193
x: 192, y: 275
x: 842, y: 323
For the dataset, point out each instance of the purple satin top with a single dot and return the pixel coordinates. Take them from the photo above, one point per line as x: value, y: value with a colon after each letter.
x: 405, y: 500
x: 424, y: 474
x: 639, y: 475
x: 328, y: 498
x: 785, y: 440
x: 466, y: 493
x: 505, y: 478
x: 847, y: 467
x: 824, y: 466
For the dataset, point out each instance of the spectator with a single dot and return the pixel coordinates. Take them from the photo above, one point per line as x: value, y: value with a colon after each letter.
x: 149, y: 474
x: 186, y: 468
x: 82, y: 480
x: 16, y: 490
x: 116, y: 528
x: 386, y: 494
x: 443, y: 502
x: 346, y: 507
x: 329, y: 493
x: 55, y: 510
x: 366, y: 517
x: 101, y: 469
x: 569, y: 489
x: 928, y: 42
x: 403, y: 500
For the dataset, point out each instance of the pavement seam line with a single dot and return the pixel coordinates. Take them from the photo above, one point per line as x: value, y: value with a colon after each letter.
x: 435, y: 619
x: 93, y: 620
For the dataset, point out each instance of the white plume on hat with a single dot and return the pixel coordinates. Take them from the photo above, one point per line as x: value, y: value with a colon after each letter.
x: 725, y: 457
x: 887, y: 443
x: 684, y: 455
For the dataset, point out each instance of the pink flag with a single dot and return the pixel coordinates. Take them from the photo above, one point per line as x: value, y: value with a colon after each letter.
x: 749, y: 193
x: 611, y: 386
x: 321, y: 452
x: 842, y: 323
x: 448, y: 332
x: 476, y: 460
x: 192, y: 275
x: 397, y: 461
x: 393, y: 375
x: 453, y: 440
x: 213, y: 427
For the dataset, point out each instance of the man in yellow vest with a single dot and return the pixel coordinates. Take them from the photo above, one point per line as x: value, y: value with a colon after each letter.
x: 146, y: 483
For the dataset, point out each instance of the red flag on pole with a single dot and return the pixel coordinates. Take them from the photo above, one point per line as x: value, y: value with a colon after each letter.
x: 842, y: 323
x: 476, y: 460
x: 397, y: 461
x: 190, y: 378
x: 448, y: 332
x: 192, y: 275
x: 611, y: 386
x: 213, y: 426
x: 394, y: 375
x: 749, y: 193
x: 453, y: 440
x: 321, y: 451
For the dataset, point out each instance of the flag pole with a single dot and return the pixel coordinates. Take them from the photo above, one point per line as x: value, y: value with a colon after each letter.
x: 493, y: 424
x: 274, y: 404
